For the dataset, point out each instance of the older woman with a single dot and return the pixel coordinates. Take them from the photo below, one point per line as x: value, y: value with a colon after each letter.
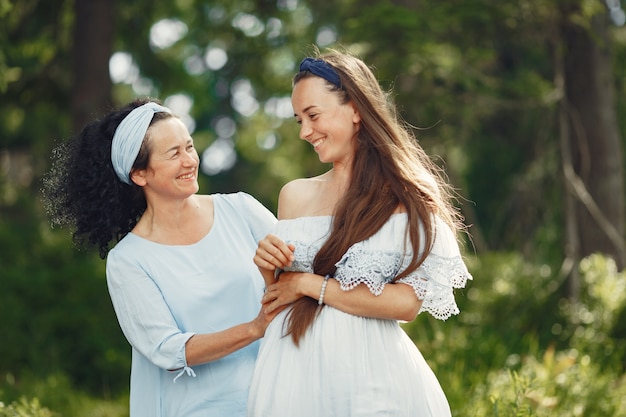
x: 181, y: 277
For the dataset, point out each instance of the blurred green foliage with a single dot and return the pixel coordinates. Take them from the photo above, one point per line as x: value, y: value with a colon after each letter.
x: 25, y: 408
x: 55, y: 396
x: 511, y: 353
x: 57, y: 312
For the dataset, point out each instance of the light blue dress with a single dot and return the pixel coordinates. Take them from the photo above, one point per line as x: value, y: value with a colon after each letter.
x: 165, y: 294
x: 352, y: 366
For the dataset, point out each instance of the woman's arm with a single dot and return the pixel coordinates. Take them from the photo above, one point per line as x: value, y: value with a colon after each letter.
x: 149, y: 326
x: 207, y: 347
x: 396, y: 302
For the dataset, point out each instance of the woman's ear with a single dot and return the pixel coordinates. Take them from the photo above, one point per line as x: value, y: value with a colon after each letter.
x: 138, y: 176
x: 356, y: 117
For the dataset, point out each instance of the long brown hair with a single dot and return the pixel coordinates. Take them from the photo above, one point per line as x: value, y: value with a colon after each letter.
x: 388, y: 159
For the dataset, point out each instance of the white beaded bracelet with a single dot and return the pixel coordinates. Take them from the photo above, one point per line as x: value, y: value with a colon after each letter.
x: 323, y: 290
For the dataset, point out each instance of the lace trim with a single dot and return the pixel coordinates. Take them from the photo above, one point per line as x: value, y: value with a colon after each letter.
x: 433, y: 281
x: 304, y: 255
x: 438, y: 300
x: 372, y: 268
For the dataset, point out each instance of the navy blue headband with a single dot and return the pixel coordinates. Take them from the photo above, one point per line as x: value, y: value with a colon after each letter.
x: 322, y: 69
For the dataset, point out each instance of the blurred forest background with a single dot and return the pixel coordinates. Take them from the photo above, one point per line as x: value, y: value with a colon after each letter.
x: 523, y: 103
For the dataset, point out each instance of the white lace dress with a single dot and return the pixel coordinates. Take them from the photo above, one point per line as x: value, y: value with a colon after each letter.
x: 346, y: 365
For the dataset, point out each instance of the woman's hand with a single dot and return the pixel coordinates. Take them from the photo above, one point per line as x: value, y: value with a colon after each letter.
x: 285, y: 291
x: 273, y: 253
x: 264, y: 318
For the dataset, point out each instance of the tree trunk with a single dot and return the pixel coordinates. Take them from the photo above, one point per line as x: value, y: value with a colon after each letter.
x: 570, y: 225
x: 93, y: 46
x: 597, y: 177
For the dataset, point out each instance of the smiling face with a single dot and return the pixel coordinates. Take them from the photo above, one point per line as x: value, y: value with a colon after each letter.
x: 325, y: 122
x: 173, y: 163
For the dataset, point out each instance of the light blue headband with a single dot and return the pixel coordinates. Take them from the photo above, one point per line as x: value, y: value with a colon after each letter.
x: 128, y: 138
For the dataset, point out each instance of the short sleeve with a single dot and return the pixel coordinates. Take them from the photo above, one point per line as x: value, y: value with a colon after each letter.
x: 441, y: 272
x: 260, y: 220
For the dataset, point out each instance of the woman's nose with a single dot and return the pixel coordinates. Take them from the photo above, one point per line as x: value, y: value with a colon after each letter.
x: 305, y: 130
x: 190, y: 158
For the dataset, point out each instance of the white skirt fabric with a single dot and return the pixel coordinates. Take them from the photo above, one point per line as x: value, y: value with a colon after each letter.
x: 346, y: 366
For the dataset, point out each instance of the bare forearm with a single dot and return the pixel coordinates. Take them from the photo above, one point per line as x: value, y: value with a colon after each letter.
x: 202, y: 348
x: 396, y: 302
x: 268, y: 276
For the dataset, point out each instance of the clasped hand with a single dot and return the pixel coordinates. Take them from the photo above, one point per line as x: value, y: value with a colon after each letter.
x: 284, y: 291
x: 272, y: 254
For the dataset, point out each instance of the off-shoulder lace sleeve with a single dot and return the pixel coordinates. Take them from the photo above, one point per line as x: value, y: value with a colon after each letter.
x: 441, y: 272
x: 434, y: 282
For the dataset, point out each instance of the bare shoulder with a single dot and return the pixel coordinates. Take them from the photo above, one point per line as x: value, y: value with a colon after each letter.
x: 299, y: 198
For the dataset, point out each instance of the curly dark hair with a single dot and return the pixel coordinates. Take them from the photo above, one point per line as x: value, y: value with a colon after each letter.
x: 81, y: 190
